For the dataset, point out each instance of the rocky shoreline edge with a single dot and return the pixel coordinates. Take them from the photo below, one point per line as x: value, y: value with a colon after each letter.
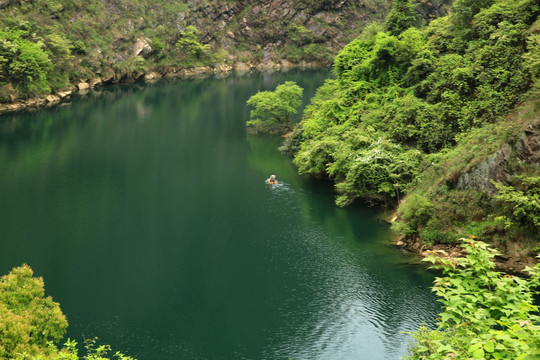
x: 418, y: 250
x: 151, y: 75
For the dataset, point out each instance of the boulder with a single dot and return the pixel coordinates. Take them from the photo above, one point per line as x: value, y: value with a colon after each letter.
x: 83, y: 86
x: 242, y: 67
x: 52, y: 98
x: 152, y: 76
x: 95, y: 82
x: 64, y: 94
x: 142, y: 47
x: 35, y: 102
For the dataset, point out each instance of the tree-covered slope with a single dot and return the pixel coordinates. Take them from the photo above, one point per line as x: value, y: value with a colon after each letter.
x: 50, y: 45
x: 47, y: 45
x: 408, y: 100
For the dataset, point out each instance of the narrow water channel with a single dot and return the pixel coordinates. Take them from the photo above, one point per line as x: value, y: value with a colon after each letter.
x: 144, y: 208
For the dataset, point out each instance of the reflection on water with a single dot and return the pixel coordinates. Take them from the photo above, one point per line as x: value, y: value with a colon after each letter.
x: 144, y: 207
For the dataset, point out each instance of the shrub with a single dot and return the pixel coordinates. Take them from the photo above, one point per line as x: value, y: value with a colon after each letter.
x: 486, y: 315
x: 522, y: 202
x: 415, y: 210
x: 25, y: 63
x: 193, y: 52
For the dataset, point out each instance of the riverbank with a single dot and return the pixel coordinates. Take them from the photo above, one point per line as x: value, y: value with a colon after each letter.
x: 150, y: 75
x: 510, y: 260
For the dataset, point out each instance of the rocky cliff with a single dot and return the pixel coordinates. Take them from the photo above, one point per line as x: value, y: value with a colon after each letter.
x: 59, y: 44
x: 52, y: 46
x: 498, y: 166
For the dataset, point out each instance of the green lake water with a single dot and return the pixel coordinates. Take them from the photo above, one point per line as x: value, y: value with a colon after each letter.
x: 144, y: 208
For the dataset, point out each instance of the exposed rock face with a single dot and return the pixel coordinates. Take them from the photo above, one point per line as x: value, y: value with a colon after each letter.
x: 152, y: 76
x: 142, y: 47
x: 496, y: 167
x: 528, y: 145
x: 492, y: 168
x: 267, y: 24
x: 49, y: 100
x: 95, y: 82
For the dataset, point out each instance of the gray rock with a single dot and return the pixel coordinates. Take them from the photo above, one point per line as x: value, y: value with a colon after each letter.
x: 492, y: 168
x: 528, y: 145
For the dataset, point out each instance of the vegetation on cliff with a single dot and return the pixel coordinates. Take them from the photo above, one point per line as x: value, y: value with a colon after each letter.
x: 53, y: 45
x: 46, y: 46
x: 413, y: 109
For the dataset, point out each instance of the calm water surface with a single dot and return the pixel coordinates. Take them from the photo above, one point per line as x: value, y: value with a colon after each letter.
x: 144, y: 208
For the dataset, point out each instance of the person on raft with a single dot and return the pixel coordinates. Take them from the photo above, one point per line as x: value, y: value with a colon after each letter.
x: 272, y: 179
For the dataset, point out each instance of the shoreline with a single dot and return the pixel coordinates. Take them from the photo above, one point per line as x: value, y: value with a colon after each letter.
x: 418, y: 250
x: 505, y: 261
x: 150, y: 75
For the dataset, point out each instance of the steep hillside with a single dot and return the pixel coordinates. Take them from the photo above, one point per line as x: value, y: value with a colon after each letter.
x: 48, y: 46
x: 425, y: 112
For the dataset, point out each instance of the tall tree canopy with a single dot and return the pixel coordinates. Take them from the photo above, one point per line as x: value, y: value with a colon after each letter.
x: 272, y: 109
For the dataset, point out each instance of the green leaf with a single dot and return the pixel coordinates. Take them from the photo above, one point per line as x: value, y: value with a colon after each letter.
x: 474, y: 347
x: 489, y: 347
x: 479, y: 354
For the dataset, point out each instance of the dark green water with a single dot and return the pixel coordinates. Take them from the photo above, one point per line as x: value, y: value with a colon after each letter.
x: 144, y: 208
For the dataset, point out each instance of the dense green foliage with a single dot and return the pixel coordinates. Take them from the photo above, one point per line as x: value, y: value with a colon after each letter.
x: 413, y: 108
x: 50, y: 45
x: 522, y: 204
x: 31, y: 323
x: 26, y: 60
x: 46, y: 45
x: 272, y: 109
x: 190, y: 47
x: 28, y: 319
x: 457, y: 212
x: 486, y: 315
x: 401, y: 17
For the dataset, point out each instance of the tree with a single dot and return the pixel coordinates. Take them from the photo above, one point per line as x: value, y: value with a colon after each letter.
x: 28, y: 319
x: 486, y: 315
x: 31, y: 323
x: 272, y: 109
x: 401, y: 17
x: 463, y: 11
x: 189, y: 45
x: 24, y: 63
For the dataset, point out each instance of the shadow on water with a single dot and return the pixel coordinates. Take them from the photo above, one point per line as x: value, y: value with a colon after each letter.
x: 144, y: 207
